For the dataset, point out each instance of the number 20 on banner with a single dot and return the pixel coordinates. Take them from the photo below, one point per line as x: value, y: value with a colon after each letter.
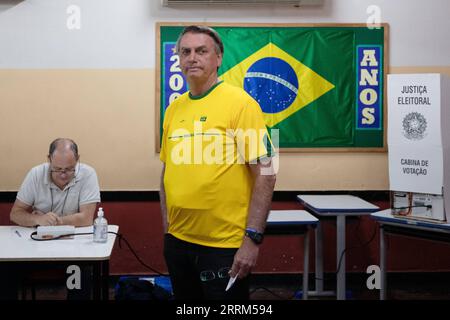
x: 174, y: 82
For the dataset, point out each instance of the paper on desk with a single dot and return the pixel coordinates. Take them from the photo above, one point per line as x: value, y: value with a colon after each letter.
x: 230, y: 282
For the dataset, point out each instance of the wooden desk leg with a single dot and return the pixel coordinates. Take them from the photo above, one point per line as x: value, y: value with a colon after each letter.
x: 105, y: 279
x: 383, y: 281
x: 305, y: 264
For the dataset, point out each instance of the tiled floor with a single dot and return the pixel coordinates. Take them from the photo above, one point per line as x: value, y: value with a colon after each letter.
x: 411, y: 286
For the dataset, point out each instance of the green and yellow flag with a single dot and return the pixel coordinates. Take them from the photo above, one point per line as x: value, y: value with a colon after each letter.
x: 307, y: 80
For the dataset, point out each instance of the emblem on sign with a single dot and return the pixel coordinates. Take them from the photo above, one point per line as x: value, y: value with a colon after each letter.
x: 414, y: 126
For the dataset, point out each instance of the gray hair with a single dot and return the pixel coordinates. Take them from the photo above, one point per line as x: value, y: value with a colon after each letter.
x: 205, y: 30
x: 56, y: 142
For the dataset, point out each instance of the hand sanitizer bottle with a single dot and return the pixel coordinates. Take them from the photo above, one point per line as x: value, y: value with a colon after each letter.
x: 100, y: 227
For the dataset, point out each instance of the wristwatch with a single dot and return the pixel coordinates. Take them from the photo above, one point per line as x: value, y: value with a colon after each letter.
x: 257, y: 237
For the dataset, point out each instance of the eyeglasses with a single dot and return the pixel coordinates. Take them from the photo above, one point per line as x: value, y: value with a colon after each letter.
x: 209, y: 275
x: 61, y: 171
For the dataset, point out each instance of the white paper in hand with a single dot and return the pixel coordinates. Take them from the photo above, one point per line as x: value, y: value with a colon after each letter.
x: 230, y: 282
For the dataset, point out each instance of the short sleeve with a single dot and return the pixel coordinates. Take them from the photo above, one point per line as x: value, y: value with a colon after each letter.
x: 27, y: 191
x: 90, y: 190
x: 252, y: 139
x: 162, y: 154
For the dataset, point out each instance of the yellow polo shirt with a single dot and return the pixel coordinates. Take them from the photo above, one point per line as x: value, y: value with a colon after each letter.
x: 207, y: 144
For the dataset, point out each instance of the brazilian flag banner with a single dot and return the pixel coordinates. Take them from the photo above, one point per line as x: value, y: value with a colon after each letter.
x: 321, y: 86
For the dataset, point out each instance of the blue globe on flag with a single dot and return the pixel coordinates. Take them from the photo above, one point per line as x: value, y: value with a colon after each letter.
x: 273, y: 83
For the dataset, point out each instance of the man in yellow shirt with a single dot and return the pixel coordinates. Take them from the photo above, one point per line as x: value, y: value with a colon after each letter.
x: 217, y: 179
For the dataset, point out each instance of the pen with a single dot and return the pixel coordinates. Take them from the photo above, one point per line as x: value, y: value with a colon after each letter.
x: 18, y: 233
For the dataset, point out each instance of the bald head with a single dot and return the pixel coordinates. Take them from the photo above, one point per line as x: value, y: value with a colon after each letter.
x: 63, y: 146
x: 63, y: 157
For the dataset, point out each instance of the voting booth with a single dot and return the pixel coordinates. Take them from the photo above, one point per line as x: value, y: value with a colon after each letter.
x: 419, y: 145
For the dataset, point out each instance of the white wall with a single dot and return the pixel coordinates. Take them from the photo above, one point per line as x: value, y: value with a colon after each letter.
x: 121, y: 34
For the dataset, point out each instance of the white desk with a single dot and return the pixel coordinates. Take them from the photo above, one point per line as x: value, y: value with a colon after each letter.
x: 298, y: 222
x: 338, y: 206
x: 407, y: 227
x: 17, y: 246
